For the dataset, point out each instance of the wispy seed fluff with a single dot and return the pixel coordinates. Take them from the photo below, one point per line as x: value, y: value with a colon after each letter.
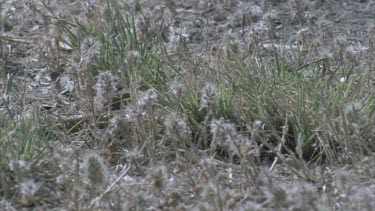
x: 176, y: 127
x: 105, y: 88
x: 29, y: 187
x: 117, y: 126
x: 139, y: 110
x: 226, y: 136
x: 90, y: 51
x: 147, y: 98
x: 209, y: 96
x: 176, y: 88
x: 223, y: 131
x: 133, y: 57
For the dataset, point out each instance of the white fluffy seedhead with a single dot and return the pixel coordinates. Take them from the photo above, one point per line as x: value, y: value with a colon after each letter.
x: 225, y: 133
x: 106, y: 84
x: 176, y: 126
x: 105, y: 88
x: 176, y: 88
x: 147, y: 98
x: 209, y: 96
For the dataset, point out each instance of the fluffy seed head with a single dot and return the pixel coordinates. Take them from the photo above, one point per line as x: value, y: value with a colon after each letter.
x: 225, y: 133
x: 105, y: 89
x: 133, y: 57
x: 176, y: 126
x: 209, y: 95
x: 90, y: 51
x: 147, y: 98
x: 95, y: 169
x: 29, y: 187
x: 176, y: 88
x: 106, y: 84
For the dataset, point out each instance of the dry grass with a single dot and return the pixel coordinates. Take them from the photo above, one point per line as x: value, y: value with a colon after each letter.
x: 218, y: 105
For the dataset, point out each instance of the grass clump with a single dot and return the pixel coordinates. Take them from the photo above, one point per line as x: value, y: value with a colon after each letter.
x: 24, y: 142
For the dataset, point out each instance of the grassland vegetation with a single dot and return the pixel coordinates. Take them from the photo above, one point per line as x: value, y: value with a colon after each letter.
x: 187, y: 105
